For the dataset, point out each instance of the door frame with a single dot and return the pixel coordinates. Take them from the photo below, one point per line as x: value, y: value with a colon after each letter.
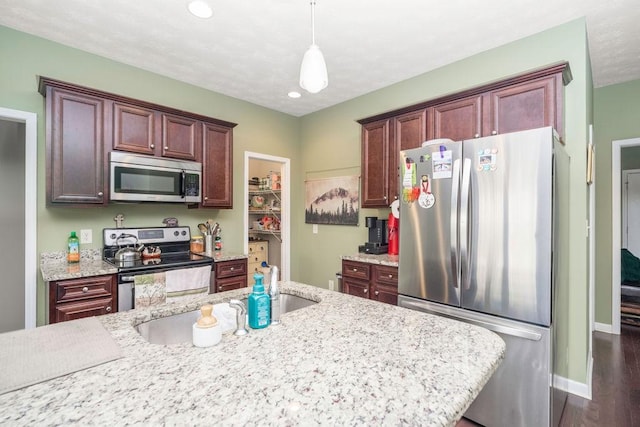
x: 616, y: 226
x: 625, y: 197
x: 30, y: 120
x: 285, y: 193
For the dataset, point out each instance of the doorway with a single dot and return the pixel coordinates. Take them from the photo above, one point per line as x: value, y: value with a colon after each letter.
x: 616, y: 227
x: 18, y: 188
x: 269, y: 218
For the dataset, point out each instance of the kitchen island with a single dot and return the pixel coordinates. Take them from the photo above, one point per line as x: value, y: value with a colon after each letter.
x: 343, y: 361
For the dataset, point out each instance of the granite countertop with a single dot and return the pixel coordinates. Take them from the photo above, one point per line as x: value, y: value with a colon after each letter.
x: 54, y: 266
x: 383, y: 259
x: 344, y: 361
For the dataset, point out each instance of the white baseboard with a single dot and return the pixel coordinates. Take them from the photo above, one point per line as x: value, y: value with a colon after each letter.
x: 574, y: 387
x: 604, y: 327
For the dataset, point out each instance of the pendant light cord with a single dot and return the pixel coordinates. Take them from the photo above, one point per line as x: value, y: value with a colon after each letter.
x: 313, y: 22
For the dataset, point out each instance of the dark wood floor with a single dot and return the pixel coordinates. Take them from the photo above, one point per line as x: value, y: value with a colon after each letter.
x: 615, y: 387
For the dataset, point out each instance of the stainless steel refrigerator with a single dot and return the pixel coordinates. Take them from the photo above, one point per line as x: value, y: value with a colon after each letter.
x: 477, y: 244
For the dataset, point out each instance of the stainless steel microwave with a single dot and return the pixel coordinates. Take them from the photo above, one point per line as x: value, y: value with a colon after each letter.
x: 137, y: 178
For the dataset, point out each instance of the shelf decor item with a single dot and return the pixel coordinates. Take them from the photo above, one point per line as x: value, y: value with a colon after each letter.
x: 333, y: 201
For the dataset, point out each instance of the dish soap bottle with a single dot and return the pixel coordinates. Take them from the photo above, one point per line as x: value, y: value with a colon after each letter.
x: 73, y: 248
x: 259, y: 305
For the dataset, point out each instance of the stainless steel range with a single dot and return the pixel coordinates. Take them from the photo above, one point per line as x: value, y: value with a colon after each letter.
x: 170, y: 243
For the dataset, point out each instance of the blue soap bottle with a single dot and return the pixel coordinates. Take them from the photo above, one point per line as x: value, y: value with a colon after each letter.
x: 259, y: 305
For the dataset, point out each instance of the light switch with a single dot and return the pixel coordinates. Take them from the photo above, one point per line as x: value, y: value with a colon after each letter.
x: 315, y: 228
x: 86, y: 236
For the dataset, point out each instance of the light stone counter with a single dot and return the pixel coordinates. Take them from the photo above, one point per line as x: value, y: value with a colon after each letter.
x: 54, y: 266
x: 344, y: 361
x: 383, y: 259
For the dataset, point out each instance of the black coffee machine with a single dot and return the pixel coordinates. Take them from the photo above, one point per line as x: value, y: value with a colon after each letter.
x: 378, y: 235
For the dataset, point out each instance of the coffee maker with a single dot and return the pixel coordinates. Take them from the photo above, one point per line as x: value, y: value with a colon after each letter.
x: 378, y: 235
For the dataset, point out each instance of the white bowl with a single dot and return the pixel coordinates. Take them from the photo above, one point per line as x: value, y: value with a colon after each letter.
x: 206, y: 337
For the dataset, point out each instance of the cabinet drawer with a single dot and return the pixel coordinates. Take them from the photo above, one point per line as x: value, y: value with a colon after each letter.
x: 386, y: 274
x: 355, y: 287
x: 256, y: 248
x: 80, y: 309
x: 81, y: 289
x: 357, y: 270
x: 231, y: 268
x: 231, y: 283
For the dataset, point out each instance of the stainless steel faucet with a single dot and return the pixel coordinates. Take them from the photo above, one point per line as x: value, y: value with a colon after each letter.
x: 241, y: 317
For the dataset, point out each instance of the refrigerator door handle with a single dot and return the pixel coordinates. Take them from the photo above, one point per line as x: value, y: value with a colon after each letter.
x: 455, y: 194
x: 464, y: 224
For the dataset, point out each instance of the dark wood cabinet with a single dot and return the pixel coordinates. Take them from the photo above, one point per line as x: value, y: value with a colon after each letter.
x: 375, y: 163
x: 217, y: 166
x: 372, y: 281
x: 522, y: 102
x: 83, y: 297
x: 84, y: 125
x: 180, y: 137
x: 459, y: 119
x: 75, y: 132
x: 229, y: 275
x: 528, y: 105
x: 134, y: 129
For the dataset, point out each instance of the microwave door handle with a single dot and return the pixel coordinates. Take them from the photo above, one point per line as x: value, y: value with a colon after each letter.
x: 183, y: 177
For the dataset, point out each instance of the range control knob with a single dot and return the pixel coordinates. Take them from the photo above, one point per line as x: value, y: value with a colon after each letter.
x: 176, y: 233
x: 113, y: 235
x: 184, y: 233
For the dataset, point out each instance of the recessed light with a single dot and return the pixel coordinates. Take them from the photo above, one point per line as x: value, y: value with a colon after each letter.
x: 200, y: 9
x: 294, y: 94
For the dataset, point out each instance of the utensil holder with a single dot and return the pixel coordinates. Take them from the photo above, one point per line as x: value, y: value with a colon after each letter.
x: 208, y: 244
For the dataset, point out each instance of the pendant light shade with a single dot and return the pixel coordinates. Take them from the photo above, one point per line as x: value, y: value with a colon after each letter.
x: 313, y: 71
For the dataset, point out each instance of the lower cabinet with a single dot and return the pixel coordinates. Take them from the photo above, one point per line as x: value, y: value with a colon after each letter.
x: 229, y: 275
x: 373, y: 281
x: 83, y: 297
x: 258, y: 253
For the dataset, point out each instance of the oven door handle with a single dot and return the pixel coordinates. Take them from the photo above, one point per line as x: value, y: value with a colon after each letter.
x: 126, y: 279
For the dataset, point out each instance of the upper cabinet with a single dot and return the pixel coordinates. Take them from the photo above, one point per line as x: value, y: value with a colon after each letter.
x: 76, y: 130
x: 522, y: 102
x: 84, y: 125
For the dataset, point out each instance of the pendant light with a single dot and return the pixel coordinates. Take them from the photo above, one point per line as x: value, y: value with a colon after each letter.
x: 313, y: 71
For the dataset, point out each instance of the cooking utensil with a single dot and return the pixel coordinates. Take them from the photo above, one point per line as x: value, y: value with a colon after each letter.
x: 129, y: 253
x: 203, y: 229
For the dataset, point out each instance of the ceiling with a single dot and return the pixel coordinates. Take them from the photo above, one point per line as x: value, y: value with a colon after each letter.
x: 252, y: 50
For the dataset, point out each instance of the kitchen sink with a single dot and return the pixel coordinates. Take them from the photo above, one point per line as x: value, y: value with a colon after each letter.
x: 176, y: 329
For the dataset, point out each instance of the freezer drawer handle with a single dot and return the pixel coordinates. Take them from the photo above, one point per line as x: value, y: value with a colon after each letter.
x: 520, y: 333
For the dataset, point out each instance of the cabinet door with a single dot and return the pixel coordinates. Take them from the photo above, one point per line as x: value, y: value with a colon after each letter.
x: 231, y: 268
x: 410, y: 132
x: 75, y: 148
x: 386, y: 294
x: 217, y: 166
x: 180, y: 136
x: 80, y: 309
x: 459, y: 119
x: 355, y: 287
x: 133, y: 129
x: 524, y: 106
x: 375, y: 164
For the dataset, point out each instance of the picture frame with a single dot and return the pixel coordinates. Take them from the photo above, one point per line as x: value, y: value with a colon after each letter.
x: 332, y: 201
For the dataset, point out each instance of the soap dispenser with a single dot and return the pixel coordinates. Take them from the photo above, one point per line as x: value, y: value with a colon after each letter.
x: 207, y: 331
x: 259, y: 305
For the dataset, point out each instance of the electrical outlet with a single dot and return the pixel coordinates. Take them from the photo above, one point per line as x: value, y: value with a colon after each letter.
x: 315, y: 228
x: 86, y: 236
x: 331, y: 285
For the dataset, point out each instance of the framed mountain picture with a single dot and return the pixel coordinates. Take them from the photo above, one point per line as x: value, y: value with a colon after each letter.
x: 333, y: 201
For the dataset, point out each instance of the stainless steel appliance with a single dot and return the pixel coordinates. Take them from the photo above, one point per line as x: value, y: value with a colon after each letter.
x: 137, y: 178
x: 171, y: 242
x: 477, y: 244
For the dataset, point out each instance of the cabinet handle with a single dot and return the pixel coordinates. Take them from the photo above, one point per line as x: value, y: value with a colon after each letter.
x: 206, y: 198
x: 365, y: 291
x: 108, y: 309
x: 391, y: 276
x: 231, y: 269
x: 85, y: 290
x: 100, y: 193
x: 355, y: 269
x: 477, y: 135
x: 495, y: 132
x: 385, y: 197
x: 152, y: 146
x: 166, y: 148
x: 377, y: 293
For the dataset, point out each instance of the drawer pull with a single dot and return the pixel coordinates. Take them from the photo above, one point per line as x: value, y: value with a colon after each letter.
x: 108, y: 309
x: 377, y: 293
x: 391, y: 276
x: 365, y: 290
x: 355, y: 269
x: 85, y: 290
x: 231, y: 269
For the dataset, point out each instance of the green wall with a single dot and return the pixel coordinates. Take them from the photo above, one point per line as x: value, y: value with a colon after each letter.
x: 617, y: 116
x: 259, y: 130
x: 331, y: 141
x: 630, y: 158
x: 322, y: 144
